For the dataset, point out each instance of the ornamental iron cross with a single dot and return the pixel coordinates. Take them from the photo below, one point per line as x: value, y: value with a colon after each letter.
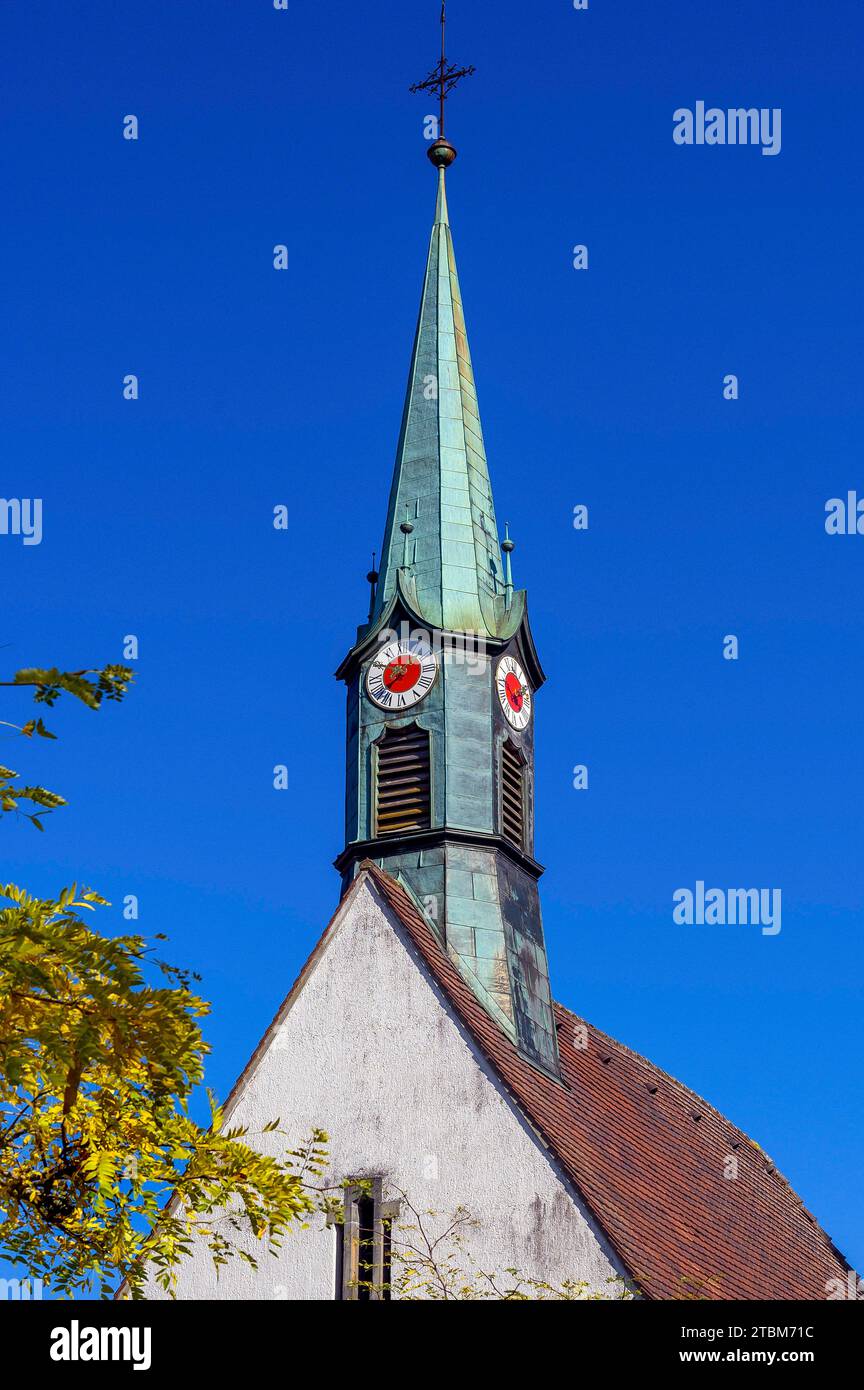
x: 442, y: 79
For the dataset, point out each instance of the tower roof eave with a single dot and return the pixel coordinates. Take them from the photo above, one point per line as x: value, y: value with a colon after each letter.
x: 511, y: 621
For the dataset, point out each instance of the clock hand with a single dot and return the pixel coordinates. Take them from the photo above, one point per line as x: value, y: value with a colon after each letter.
x: 396, y: 673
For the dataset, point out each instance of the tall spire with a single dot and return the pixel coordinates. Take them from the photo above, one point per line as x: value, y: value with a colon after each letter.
x: 451, y: 569
x: 452, y: 566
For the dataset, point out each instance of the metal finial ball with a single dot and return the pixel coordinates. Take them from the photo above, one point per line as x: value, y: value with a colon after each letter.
x: 372, y: 577
x: 508, y: 545
x: 406, y: 527
x: 441, y: 153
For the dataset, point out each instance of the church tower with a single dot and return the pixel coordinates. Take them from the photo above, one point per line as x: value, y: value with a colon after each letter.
x: 442, y: 678
x: 420, y: 1035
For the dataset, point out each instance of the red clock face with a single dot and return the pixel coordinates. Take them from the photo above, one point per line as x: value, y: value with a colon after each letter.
x: 401, y: 674
x: 514, y: 692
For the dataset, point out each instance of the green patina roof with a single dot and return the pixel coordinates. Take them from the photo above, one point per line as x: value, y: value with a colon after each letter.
x: 451, y: 559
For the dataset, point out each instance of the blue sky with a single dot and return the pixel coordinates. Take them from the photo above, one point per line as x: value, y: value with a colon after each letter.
x: 601, y: 387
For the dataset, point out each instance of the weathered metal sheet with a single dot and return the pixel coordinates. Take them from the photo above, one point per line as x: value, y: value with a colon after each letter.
x: 441, y: 471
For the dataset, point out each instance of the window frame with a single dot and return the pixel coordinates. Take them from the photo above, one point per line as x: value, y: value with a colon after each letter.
x: 350, y: 1247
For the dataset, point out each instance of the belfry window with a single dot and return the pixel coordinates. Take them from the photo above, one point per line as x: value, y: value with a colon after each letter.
x: 512, y: 794
x: 364, y: 1243
x: 402, y: 781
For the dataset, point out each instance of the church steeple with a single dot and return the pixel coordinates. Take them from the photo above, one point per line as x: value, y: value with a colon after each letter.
x: 441, y: 479
x: 442, y: 677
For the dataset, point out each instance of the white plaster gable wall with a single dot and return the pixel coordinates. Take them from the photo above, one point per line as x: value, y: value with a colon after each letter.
x: 370, y: 1051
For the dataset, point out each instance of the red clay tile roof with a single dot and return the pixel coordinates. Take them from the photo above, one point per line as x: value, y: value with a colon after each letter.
x: 647, y: 1156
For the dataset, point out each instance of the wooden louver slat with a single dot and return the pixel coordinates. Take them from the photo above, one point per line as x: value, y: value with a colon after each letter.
x: 402, y: 790
x: 512, y: 796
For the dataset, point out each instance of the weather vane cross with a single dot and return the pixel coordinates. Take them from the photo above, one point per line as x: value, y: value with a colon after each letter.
x: 443, y: 78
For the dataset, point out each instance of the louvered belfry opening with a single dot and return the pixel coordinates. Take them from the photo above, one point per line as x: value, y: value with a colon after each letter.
x: 512, y: 794
x: 403, y: 788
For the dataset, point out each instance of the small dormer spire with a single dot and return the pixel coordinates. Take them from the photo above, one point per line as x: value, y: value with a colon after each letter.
x: 508, y: 546
x: 406, y: 527
x: 372, y: 581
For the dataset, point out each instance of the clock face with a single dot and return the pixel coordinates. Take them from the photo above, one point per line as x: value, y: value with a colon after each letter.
x: 513, y: 692
x: 401, y: 674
